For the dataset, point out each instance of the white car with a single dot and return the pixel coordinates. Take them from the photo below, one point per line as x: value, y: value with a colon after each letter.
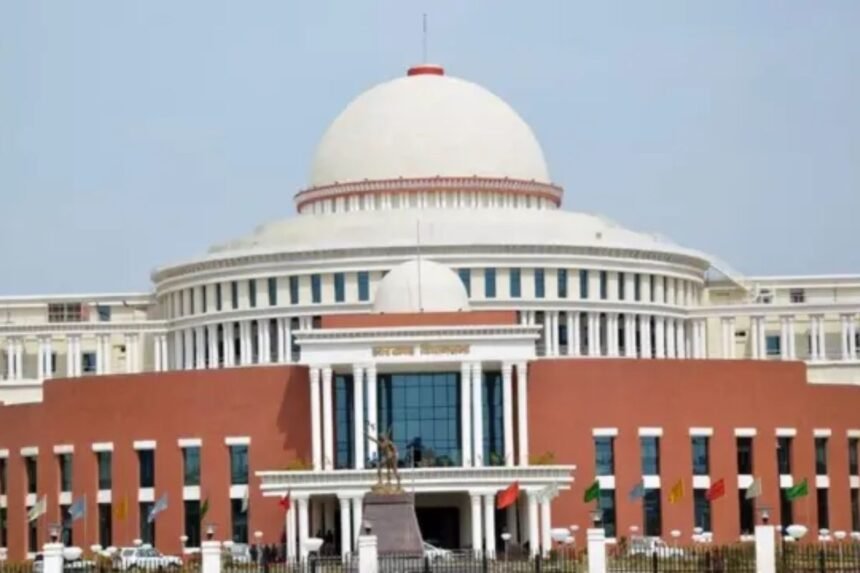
x: 145, y: 557
x: 239, y: 553
x: 436, y: 553
x: 651, y: 546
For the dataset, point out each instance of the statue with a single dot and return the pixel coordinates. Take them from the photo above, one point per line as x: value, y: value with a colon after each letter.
x: 388, y: 457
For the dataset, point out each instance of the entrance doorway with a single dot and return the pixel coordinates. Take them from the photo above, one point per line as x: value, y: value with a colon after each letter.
x: 440, y: 526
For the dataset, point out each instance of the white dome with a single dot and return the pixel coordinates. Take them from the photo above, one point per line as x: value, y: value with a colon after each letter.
x: 422, y: 286
x: 427, y: 125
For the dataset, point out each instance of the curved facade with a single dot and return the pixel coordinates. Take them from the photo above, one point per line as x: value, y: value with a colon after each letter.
x: 430, y: 284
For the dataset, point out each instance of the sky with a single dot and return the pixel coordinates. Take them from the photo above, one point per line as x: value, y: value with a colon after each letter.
x: 135, y: 134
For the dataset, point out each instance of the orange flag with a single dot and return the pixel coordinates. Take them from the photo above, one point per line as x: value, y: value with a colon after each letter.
x: 508, y: 496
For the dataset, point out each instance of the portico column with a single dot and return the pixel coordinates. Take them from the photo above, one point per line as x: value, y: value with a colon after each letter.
x: 156, y: 352
x: 212, y: 335
x: 843, y: 319
x: 754, y: 330
x: 477, y: 545
x: 129, y: 353
x: 10, y: 358
x: 19, y: 358
x: 593, y: 336
x: 229, y: 345
x: 466, y: 412
x: 681, y: 338
x: 784, y: 344
x: 534, y: 532
x: 101, y: 359
x: 281, y: 347
x: 302, y: 503
x: 199, y: 349
x: 40, y: 363
x: 630, y: 335
x: 522, y: 412
x: 291, y: 532
x: 490, y: 525
x: 822, y: 341
x: 545, y: 521
x: 598, y: 346
x: 177, y: 350
x: 728, y: 346
x: 645, y: 335
x: 358, y: 415
x: 570, y: 338
x: 511, y: 518
x: 328, y: 421
x: 477, y: 415
x: 288, y: 339
x: 356, y: 519
x: 852, y: 337
x: 660, y: 337
x: 575, y: 331
x: 792, y: 339
x: 762, y: 338
x: 245, y: 343
x: 372, y: 423
x: 611, y: 334
x: 316, y: 441
x: 264, y: 352
x: 508, y: 412
x: 345, y: 527
x: 547, y: 341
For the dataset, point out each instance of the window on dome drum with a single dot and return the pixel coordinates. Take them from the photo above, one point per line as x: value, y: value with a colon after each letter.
x: 218, y: 302
x: 239, y: 465
x: 540, y: 284
x: 203, y: 297
x: 339, y: 287
x: 515, y: 283
x: 604, y: 456
x: 745, y: 455
x: 637, y: 287
x: 821, y: 456
x: 651, y: 509
x: 650, y: 447
x: 786, y: 509
x: 363, y: 280
x: 783, y: 454
x: 822, y: 501
x: 701, y: 461
x: 651, y: 281
x: 855, y: 509
x: 583, y: 284
x: 853, y: 466
x: 491, y: 397
x: 182, y: 303
x: 294, y: 290
x: 604, y: 285
x: 252, y: 293
x: 191, y: 465
x: 316, y: 288
x: 606, y: 505
x: 32, y: 470
x: 772, y: 345
x: 621, y: 287
x: 191, y: 300
x: 146, y: 531
x: 701, y: 510
x: 103, y: 461
x: 234, y: 294
x: 146, y: 467
x: 466, y: 278
x: 561, y: 276
x: 797, y: 295
x: 192, y: 522
x: 665, y: 289
x: 239, y: 521
x: 489, y: 283
x: 64, y: 462
x: 272, y: 284
x: 746, y: 513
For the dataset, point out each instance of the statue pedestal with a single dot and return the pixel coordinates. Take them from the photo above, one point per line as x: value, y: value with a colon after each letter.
x: 392, y: 520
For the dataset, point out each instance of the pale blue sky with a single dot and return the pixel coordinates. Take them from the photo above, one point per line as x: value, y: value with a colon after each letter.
x: 135, y: 134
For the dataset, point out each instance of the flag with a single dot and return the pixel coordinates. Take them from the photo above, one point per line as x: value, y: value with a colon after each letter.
x: 285, y: 502
x: 204, y: 508
x: 677, y: 492
x: 717, y: 490
x: 592, y: 493
x: 159, y: 506
x: 799, y: 490
x: 38, y: 510
x: 508, y: 496
x: 638, y: 492
x: 246, y: 499
x: 122, y: 508
x: 754, y: 490
x: 78, y: 509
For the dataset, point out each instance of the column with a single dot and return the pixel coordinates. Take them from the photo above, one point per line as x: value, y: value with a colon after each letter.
x: 291, y: 532
x: 591, y: 331
x: 534, y: 535
x: 264, y: 352
x: 813, y: 337
x: 670, y: 338
x: 156, y: 352
x: 212, y: 333
x: 822, y: 343
x: 477, y: 415
x: 100, y: 354
x: 645, y: 335
x: 245, y: 343
x: 345, y: 527
x: 327, y: 421
x: 611, y: 334
x: 71, y: 371
x: 729, y: 338
x: 19, y: 358
x: 762, y: 338
x: 572, y: 349
x: 288, y: 339
x: 40, y: 363
x: 490, y: 524
x: 556, y: 348
x: 508, y: 412
x: 281, y: 346
x: 660, y: 337
x: 199, y: 348
x: 629, y: 335
x: 522, y: 413
x: 177, y: 350
x: 784, y: 344
x: 356, y: 519
x: 846, y: 353
x: 358, y: 416
x: 680, y: 339
x: 477, y: 545
x: 466, y: 412
x: 792, y: 339
x: 129, y: 353
x: 545, y: 521
x: 547, y: 343
x: 302, y: 503
x: 316, y: 441
x: 598, y: 346
x: 229, y: 345
x: 372, y: 422
x: 188, y: 347
x: 852, y: 337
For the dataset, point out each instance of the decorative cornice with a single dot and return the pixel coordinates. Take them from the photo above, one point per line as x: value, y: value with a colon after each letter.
x: 778, y: 310
x: 417, y: 334
x: 69, y: 328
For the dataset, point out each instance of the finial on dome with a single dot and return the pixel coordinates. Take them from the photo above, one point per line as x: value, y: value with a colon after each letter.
x: 426, y: 70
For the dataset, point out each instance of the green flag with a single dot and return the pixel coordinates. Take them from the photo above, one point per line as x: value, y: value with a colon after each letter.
x: 799, y: 490
x: 592, y: 492
x: 204, y: 509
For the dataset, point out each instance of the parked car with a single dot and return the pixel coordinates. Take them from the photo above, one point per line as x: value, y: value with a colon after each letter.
x: 239, y: 553
x: 436, y: 553
x: 144, y: 557
x: 651, y: 546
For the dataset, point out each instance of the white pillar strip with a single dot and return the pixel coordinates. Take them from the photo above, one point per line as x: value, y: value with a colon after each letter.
x: 508, y: 412
x: 477, y: 416
x: 328, y: 420
x: 358, y: 415
x: 316, y: 440
x: 522, y: 413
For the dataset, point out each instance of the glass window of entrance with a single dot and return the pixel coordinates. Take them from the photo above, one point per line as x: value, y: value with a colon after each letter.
x: 701, y: 465
x: 494, y: 449
x: 650, y: 446
x: 783, y: 454
x: 239, y: 465
x: 604, y: 458
x: 65, y: 461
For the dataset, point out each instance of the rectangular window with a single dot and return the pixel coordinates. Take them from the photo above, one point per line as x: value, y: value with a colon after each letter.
x: 651, y: 281
x: 821, y: 456
x: 234, y: 294
x: 192, y: 522
x: 191, y: 465
x: 786, y: 509
x: 3, y: 490
x: 339, y: 287
x: 466, y: 278
x: 746, y: 511
x: 32, y: 469
x: 294, y: 290
x: 316, y: 288
x: 32, y: 536
x: 561, y: 275
x: 652, y: 513
x: 823, y: 508
x: 489, y: 283
x: 604, y: 456
x: 191, y: 308
x: 515, y: 284
x: 772, y: 345
x: 621, y: 286
x: 637, y: 287
x: 103, y: 313
x: 604, y: 285
x: 855, y: 509
x: 68, y: 312
x: 701, y: 510
x: 239, y: 465
x: 65, y: 463
x: 606, y: 504
x: 218, y: 301
x: 103, y: 460
x: 146, y: 531
x: 273, y: 291
x: 665, y: 289
x: 364, y: 286
x: 650, y: 446
x: 540, y: 283
x: 853, y: 466
x: 146, y: 467
x: 796, y: 295
x: 252, y: 293
x: 88, y: 362
x: 239, y: 521
x: 783, y: 455
x: 583, y: 284
x: 105, y: 525
x: 67, y: 532
x: 745, y: 455
x: 4, y: 537
x: 203, y: 298
x: 701, y: 461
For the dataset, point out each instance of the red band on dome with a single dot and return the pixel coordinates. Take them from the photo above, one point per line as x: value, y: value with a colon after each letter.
x: 426, y: 70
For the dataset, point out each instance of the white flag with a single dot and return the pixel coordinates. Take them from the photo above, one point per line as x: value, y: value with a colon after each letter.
x: 246, y: 499
x: 754, y: 490
x: 38, y: 510
x: 550, y: 491
x: 159, y: 506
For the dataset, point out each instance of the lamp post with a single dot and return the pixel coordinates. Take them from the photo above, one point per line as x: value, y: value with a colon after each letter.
x: 54, y: 530
x: 506, y: 537
x: 210, y: 531
x: 764, y: 514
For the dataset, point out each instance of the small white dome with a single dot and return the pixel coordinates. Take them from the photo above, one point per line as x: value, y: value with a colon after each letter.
x: 422, y: 286
x: 427, y: 125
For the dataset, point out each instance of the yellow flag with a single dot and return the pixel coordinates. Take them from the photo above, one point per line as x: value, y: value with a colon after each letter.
x: 122, y: 508
x: 677, y: 492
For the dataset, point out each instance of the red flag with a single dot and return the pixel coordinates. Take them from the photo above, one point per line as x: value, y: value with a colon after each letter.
x: 508, y: 496
x: 285, y: 502
x: 716, y: 491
